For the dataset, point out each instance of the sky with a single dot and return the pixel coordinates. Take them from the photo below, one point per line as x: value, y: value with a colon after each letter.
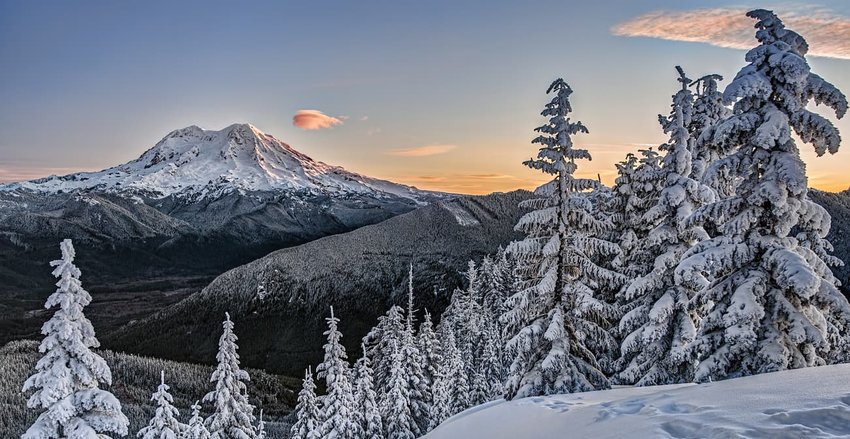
x: 443, y: 95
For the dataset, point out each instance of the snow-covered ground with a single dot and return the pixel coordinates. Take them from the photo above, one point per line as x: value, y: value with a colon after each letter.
x: 804, y: 403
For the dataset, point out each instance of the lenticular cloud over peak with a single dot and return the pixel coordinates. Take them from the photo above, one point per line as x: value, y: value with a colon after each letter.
x: 315, y: 120
x: 827, y: 32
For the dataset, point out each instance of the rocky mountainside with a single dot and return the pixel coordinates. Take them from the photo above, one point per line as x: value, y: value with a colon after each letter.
x: 281, y: 300
x: 196, y: 204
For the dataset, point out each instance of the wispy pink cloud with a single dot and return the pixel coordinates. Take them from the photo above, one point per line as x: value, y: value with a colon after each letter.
x: 827, y: 32
x: 315, y: 120
x: 423, y: 151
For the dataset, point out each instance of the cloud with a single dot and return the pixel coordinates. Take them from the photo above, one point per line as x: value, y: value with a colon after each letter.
x: 315, y: 120
x: 827, y: 32
x: 423, y: 151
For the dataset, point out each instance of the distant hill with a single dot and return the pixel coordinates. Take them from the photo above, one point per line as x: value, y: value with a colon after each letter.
x: 838, y: 206
x: 134, y: 379
x: 281, y: 300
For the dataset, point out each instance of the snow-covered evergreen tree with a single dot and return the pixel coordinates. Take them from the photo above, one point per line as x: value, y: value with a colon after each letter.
x: 429, y: 347
x: 366, y: 400
x: 67, y: 378
x: 165, y: 423
x: 504, y: 285
x: 196, y: 428
x: 339, y: 408
x: 660, y: 325
x: 379, y: 342
x: 443, y: 394
x: 636, y: 189
x: 491, y: 365
x: 261, y: 427
x: 308, y: 424
x: 233, y: 416
x: 464, y: 316
x: 419, y: 389
x: 774, y: 302
x: 397, y: 414
x: 563, y: 325
x: 464, y: 312
x: 450, y: 373
x: 709, y: 110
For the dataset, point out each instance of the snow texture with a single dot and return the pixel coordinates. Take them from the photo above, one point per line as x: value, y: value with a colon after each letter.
x: 812, y: 403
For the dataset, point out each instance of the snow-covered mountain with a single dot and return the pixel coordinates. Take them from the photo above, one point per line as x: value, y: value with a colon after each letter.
x: 804, y: 403
x: 195, y: 163
x: 196, y: 204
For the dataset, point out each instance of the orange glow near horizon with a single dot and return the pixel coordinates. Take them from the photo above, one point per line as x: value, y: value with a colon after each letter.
x: 498, y: 168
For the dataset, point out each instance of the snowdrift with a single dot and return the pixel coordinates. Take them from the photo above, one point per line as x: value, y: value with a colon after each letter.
x: 804, y: 403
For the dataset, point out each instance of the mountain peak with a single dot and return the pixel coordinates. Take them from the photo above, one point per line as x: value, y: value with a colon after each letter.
x: 197, y: 163
x: 244, y: 130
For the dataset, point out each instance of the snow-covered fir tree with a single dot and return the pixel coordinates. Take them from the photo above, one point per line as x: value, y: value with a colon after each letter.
x: 67, y: 378
x: 396, y: 410
x: 660, y: 324
x: 491, y: 364
x: 473, y: 316
x: 379, y: 342
x: 504, y: 285
x: 233, y: 416
x: 165, y: 423
x: 563, y: 325
x: 419, y: 389
x: 196, y: 429
x: 774, y: 301
x: 365, y: 397
x: 429, y: 347
x: 636, y: 189
x: 709, y: 110
x: 261, y: 427
x: 308, y: 424
x: 454, y: 373
x: 339, y: 408
x: 489, y: 292
x: 464, y: 316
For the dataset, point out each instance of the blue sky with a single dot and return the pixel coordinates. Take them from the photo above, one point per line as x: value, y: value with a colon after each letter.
x: 91, y: 84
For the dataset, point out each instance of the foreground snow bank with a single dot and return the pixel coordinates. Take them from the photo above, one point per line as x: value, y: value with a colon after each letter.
x: 809, y: 403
